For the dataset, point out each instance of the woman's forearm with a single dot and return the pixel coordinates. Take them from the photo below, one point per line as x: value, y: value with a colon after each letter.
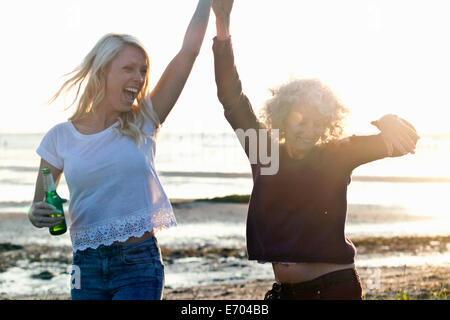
x: 222, y: 10
x: 223, y: 27
x: 197, y: 28
x: 169, y: 87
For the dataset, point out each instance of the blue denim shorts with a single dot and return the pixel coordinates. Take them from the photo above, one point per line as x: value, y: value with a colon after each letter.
x: 132, y: 271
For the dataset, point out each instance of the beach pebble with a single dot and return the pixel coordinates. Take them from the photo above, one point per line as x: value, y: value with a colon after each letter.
x: 44, y: 275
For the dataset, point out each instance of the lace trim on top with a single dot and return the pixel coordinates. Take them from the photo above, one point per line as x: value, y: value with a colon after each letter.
x: 121, y: 229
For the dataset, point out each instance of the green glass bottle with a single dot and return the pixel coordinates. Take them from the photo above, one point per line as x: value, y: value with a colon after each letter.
x: 53, y: 198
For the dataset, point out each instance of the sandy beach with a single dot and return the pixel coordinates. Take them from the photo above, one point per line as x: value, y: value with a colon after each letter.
x: 417, y: 282
x: 43, y: 262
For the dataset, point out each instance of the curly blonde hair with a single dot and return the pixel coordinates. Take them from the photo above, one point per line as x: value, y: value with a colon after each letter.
x: 92, y: 70
x: 309, y: 93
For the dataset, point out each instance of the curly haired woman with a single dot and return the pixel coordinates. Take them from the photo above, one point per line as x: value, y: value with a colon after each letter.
x: 296, y: 217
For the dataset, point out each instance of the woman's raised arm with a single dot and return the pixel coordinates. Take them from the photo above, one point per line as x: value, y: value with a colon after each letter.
x: 169, y: 87
x: 237, y: 108
x: 222, y: 10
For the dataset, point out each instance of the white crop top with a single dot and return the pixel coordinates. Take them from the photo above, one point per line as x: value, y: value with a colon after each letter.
x: 114, y: 190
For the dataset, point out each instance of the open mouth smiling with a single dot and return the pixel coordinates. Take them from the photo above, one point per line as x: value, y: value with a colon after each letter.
x: 130, y: 94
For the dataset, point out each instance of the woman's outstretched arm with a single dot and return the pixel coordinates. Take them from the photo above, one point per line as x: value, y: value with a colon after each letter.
x: 397, y: 138
x: 397, y: 133
x: 169, y: 87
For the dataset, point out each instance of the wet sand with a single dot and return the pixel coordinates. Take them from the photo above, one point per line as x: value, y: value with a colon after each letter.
x: 416, y: 282
x: 399, y: 283
x: 427, y: 282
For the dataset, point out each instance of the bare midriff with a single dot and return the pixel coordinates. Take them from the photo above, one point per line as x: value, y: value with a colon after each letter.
x: 301, y: 272
x: 146, y: 236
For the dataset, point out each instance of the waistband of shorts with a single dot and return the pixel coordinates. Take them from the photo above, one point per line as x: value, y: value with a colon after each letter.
x: 326, y: 280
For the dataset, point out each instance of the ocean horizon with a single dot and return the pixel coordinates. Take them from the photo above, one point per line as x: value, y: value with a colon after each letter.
x: 207, y: 165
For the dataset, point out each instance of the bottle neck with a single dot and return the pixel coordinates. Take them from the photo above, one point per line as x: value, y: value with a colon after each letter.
x: 49, y: 184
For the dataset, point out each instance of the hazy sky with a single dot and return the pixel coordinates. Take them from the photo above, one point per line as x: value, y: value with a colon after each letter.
x: 379, y: 56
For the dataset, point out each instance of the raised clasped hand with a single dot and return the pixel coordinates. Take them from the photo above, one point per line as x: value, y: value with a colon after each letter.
x: 397, y: 133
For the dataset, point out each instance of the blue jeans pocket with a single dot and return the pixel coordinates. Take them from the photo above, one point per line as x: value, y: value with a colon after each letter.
x: 141, y: 252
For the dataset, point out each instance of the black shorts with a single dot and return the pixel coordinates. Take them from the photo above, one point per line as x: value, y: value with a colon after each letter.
x: 337, y: 285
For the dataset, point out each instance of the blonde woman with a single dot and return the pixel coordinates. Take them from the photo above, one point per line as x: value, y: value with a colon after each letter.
x: 296, y: 217
x: 106, y: 151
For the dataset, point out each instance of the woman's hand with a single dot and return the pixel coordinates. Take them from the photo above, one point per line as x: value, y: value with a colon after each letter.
x: 397, y: 133
x: 222, y: 10
x: 40, y: 215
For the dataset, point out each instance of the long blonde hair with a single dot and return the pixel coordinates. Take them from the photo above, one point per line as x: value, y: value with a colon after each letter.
x: 92, y: 70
